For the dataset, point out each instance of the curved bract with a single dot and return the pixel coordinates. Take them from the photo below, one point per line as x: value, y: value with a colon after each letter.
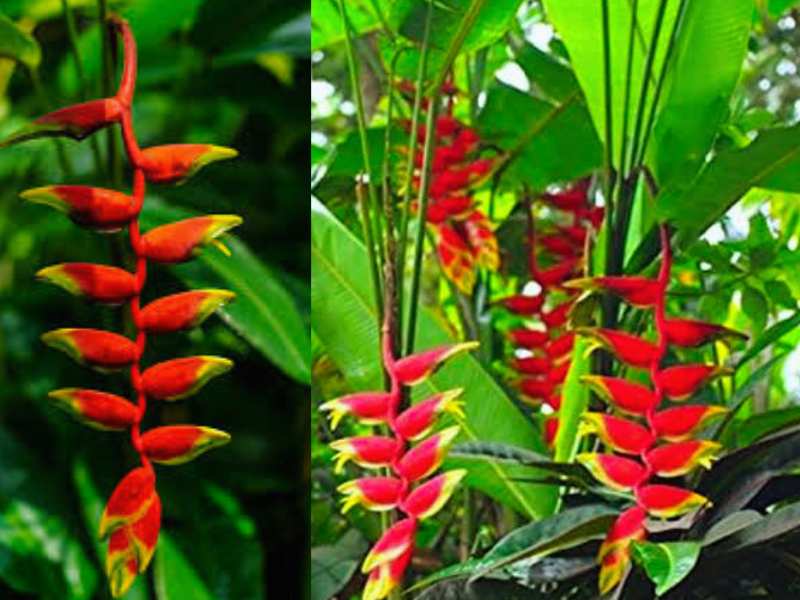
x: 410, y: 487
x: 132, y: 517
x: 649, y: 441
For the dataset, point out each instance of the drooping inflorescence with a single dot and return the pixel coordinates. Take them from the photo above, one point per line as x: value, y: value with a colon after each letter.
x: 463, y: 234
x: 406, y: 488
x: 556, y: 254
x: 648, y: 441
x: 132, y: 517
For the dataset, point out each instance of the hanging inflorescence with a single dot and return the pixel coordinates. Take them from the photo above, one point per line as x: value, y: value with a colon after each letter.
x: 463, y: 235
x: 555, y: 254
x: 132, y: 517
x: 403, y: 489
x: 648, y: 441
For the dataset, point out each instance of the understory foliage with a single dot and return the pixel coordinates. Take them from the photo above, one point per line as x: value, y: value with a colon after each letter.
x: 601, y: 197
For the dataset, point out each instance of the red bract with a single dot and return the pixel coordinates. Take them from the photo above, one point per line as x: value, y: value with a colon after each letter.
x: 95, y: 208
x: 676, y: 426
x: 101, y: 283
x: 132, y: 517
x: 406, y: 488
x: 522, y: 305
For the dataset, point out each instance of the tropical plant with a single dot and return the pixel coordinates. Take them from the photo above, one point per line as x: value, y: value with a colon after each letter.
x: 196, y: 76
x: 637, y: 171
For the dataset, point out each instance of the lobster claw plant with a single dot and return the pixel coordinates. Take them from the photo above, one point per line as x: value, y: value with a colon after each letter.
x: 132, y: 517
x: 650, y: 442
x: 406, y: 489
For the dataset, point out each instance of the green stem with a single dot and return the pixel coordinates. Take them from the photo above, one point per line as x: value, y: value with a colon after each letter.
x: 361, y: 120
x: 412, y: 145
x: 366, y: 224
x: 416, y: 274
x: 628, y: 80
x: 113, y: 152
x: 72, y: 34
x: 673, y: 38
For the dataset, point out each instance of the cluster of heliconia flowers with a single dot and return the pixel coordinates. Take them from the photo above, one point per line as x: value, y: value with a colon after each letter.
x: 556, y: 255
x: 648, y: 441
x: 132, y: 517
x: 464, y: 236
x: 404, y: 489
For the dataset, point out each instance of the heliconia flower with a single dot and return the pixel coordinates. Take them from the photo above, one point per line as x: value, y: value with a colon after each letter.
x: 628, y: 526
x: 683, y: 422
x: 567, y: 200
x: 553, y: 401
x: 481, y: 237
x: 574, y: 232
x: 424, y: 458
x: 395, y: 542
x: 182, y: 311
x: 557, y: 273
x: 535, y: 388
x: 631, y: 398
x: 612, y: 567
x: 532, y: 365
x: 416, y: 368
x: 416, y: 422
x: 181, y: 241
x: 385, y: 578
x: 175, y: 163
x: 614, y: 471
x: 77, y: 121
x: 679, y: 458
x: 528, y: 338
x: 688, y: 333
x: 560, y: 346
x: 521, y: 304
x: 370, y: 452
x: 558, y: 374
x: 550, y: 430
x: 427, y: 499
x: 627, y: 348
x: 96, y: 208
x: 620, y: 434
x: 102, y: 350
x: 181, y: 377
x: 130, y: 549
x: 681, y: 381
x: 101, y: 283
x: 99, y: 410
x: 559, y: 245
x: 373, y: 493
x: 641, y: 292
x: 371, y: 408
x: 593, y: 214
x: 178, y: 444
x: 129, y: 501
x: 666, y: 501
x: 455, y: 257
x: 558, y: 316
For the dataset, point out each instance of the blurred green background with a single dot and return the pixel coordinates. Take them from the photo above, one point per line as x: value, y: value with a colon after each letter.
x: 229, y: 72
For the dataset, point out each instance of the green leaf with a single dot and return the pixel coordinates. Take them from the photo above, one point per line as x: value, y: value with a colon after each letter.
x: 174, y: 576
x: 779, y: 292
x: 18, y: 45
x: 344, y: 318
x: 767, y: 162
x: 755, y: 306
x: 489, y: 589
x: 784, y: 520
x: 567, y: 529
x: 551, y: 77
x: 579, y: 23
x: 333, y: 566
x: 666, y: 564
x: 766, y: 423
x: 769, y: 337
x: 709, y: 54
x: 548, y: 142
x: 730, y: 525
x: 264, y: 312
x: 575, y: 399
